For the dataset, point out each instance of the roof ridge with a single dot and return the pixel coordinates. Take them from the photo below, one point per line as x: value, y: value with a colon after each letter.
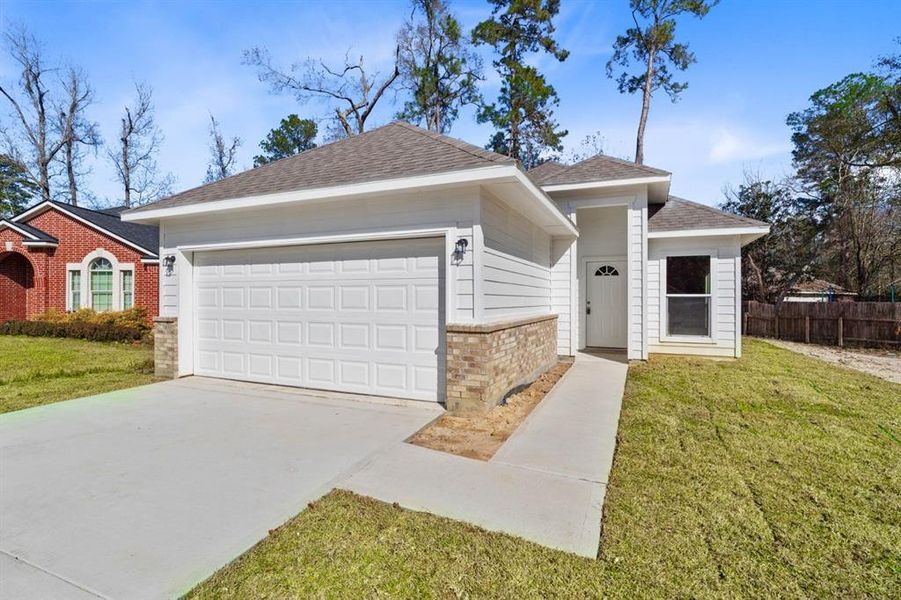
x: 449, y: 141
x: 625, y: 162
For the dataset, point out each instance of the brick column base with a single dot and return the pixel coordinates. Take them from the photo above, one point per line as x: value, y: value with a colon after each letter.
x: 165, y: 347
x: 486, y: 363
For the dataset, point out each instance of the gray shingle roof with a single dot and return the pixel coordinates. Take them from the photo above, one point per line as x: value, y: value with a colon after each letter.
x: 145, y: 236
x: 678, y: 213
x: 596, y: 168
x: 546, y: 170
x: 36, y: 233
x: 392, y: 151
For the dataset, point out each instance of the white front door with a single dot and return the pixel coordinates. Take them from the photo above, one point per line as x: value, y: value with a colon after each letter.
x: 360, y: 317
x: 605, y: 303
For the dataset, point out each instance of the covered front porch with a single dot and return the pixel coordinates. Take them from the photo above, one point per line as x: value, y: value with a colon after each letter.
x: 599, y: 281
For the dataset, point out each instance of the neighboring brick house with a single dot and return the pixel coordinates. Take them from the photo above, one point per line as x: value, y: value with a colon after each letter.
x: 63, y: 257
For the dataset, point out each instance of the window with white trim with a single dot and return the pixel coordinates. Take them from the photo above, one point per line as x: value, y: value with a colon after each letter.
x: 101, y: 284
x: 688, y: 297
x: 127, y: 287
x: 74, y: 290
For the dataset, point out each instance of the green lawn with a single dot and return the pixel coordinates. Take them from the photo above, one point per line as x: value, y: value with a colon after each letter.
x: 36, y: 371
x: 774, y: 475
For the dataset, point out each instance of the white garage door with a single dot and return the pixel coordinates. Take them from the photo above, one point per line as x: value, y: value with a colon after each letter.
x: 360, y: 317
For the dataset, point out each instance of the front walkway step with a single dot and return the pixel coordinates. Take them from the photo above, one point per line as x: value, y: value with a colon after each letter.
x: 573, y: 431
x: 552, y: 510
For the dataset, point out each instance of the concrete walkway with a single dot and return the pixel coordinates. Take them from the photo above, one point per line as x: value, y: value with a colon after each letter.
x: 546, y: 484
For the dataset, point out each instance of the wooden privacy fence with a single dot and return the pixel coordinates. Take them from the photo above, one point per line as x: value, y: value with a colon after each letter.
x: 828, y: 323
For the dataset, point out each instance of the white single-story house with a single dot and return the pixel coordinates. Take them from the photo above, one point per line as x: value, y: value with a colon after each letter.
x: 405, y: 263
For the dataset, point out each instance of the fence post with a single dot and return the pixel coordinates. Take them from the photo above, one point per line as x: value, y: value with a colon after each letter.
x: 807, y: 329
x: 777, y: 325
x: 745, y: 328
x: 841, y: 333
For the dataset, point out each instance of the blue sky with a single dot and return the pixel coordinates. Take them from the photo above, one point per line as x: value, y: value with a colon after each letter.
x: 757, y: 61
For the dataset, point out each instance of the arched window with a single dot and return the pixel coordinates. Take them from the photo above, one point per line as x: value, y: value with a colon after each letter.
x: 606, y: 271
x: 101, y: 284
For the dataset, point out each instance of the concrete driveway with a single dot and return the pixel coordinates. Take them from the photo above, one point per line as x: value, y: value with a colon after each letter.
x: 142, y: 493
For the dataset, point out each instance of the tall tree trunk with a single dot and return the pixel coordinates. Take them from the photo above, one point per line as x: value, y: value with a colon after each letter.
x: 758, y: 278
x: 645, y: 107
x: 70, y: 172
x: 126, y: 173
x: 44, y: 183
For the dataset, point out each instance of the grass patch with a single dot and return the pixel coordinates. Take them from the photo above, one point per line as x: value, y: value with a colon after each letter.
x: 774, y: 475
x: 35, y: 371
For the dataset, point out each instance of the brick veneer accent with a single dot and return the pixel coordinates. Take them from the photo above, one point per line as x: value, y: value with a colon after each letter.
x: 485, y: 363
x: 47, y: 287
x: 165, y: 347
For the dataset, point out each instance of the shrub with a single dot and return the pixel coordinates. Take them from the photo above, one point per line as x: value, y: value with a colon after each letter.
x: 133, y: 318
x: 97, y: 332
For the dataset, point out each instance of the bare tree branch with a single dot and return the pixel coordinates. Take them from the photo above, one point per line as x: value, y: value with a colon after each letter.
x: 135, y: 157
x: 223, y: 155
x: 349, y: 89
x: 35, y: 143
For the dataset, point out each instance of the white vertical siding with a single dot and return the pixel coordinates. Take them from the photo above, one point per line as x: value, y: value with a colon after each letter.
x: 725, y: 253
x: 516, y: 270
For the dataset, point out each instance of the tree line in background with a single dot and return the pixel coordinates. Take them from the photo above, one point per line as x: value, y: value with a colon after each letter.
x: 838, y: 216
x: 835, y: 218
x: 437, y: 70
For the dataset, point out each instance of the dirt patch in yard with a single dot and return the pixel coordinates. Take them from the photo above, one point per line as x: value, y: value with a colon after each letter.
x: 479, y: 436
x: 885, y: 364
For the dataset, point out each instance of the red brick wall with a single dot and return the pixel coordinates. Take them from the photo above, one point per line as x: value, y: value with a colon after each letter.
x: 75, y: 242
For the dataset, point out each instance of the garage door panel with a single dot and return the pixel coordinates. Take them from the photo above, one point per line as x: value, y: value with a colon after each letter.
x: 353, y: 317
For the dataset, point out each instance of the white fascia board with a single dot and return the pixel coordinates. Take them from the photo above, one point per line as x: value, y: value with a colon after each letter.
x: 150, y: 261
x: 752, y: 232
x: 5, y: 223
x: 545, y: 202
x: 40, y: 207
x: 314, y: 240
x: 479, y: 175
x: 40, y: 244
x: 565, y: 187
x: 50, y: 206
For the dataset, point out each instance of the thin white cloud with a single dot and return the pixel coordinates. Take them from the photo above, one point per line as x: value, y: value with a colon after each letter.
x: 733, y: 144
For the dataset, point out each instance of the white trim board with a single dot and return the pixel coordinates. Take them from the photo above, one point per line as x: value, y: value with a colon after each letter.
x: 565, y: 187
x: 678, y: 233
x: 341, y: 238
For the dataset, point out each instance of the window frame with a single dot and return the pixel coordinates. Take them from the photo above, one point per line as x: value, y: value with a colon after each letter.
x: 71, y: 290
x: 711, y: 295
x: 126, y: 292
x: 112, y: 283
x: 85, y: 268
